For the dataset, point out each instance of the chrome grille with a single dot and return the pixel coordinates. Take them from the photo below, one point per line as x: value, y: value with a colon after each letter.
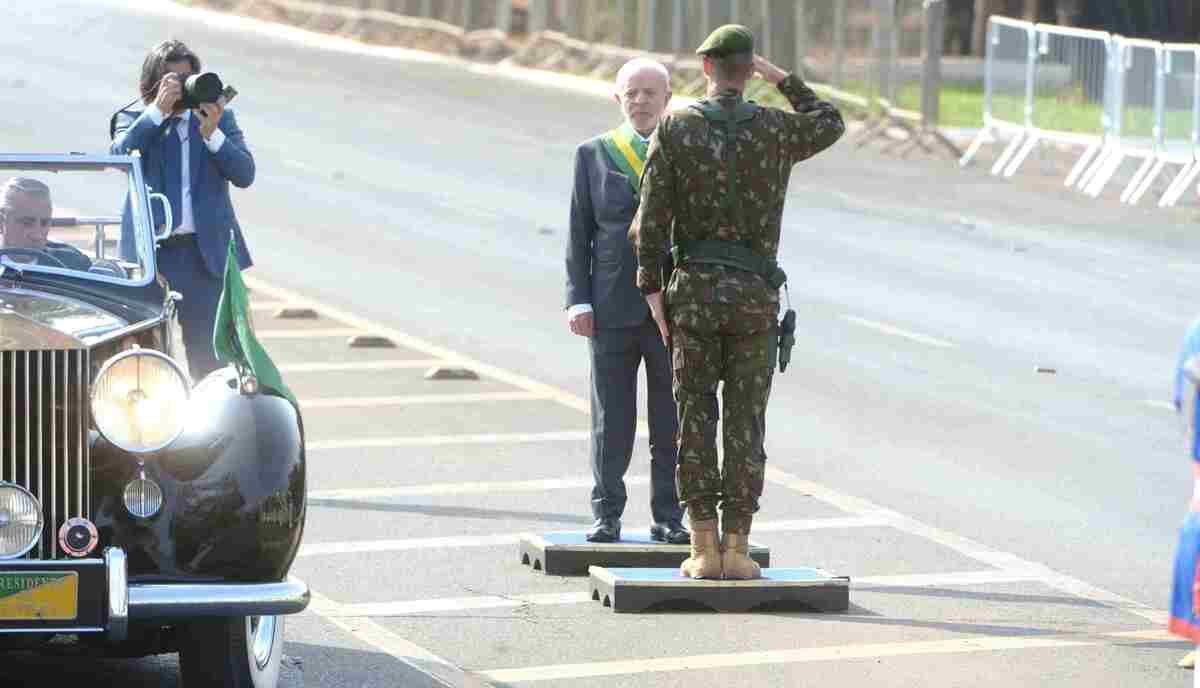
x: 43, y: 435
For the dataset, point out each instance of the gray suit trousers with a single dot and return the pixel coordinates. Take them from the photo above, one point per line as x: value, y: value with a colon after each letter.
x: 617, y: 353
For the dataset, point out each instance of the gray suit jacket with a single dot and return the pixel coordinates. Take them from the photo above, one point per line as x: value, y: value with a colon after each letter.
x: 601, y: 263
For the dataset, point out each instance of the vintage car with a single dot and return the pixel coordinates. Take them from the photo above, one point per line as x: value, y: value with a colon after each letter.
x: 141, y: 512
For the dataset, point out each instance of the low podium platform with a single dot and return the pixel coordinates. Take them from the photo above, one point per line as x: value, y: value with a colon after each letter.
x: 641, y: 589
x: 570, y: 554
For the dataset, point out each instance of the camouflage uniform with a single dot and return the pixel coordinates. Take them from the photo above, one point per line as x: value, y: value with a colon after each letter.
x: 723, y: 320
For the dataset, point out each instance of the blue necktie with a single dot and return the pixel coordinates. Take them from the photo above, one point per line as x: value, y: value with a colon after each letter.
x: 172, y: 171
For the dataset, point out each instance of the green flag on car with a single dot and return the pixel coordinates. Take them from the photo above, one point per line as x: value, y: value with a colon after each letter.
x: 233, y: 336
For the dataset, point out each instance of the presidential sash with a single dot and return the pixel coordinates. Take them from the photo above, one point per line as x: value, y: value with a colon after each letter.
x: 627, y: 152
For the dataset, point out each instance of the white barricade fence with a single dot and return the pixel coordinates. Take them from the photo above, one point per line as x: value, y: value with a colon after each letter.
x: 1181, y: 119
x: 1073, y: 71
x: 1136, y: 132
x: 1008, y: 88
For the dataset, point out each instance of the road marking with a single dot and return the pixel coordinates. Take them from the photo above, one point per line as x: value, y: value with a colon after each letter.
x: 312, y: 333
x: 897, y: 332
x: 457, y: 541
x: 852, y: 505
x: 1159, y: 404
x: 937, y: 580
x: 449, y: 489
x: 454, y: 604
x: 969, y: 548
x: 352, y: 366
x: 415, y: 344
x: 319, y: 549
x: 441, y: 440
x: 418, y: 400
x: 411, y: 654
x: 870, y: 651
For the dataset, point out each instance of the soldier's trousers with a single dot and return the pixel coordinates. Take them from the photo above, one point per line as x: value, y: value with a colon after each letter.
x: 712, y: 342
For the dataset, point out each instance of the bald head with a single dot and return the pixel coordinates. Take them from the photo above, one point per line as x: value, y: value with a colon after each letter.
x: 643, y: 90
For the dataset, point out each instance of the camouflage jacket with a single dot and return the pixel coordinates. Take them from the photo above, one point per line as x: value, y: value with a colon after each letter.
x: 685, y: 182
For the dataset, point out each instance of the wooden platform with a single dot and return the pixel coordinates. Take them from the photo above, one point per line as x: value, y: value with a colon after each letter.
x: 570, y: 554
x: 663, y: 589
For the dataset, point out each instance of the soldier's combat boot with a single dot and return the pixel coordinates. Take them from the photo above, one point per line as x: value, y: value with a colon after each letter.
x: 705, y: 561
x: 735, y: 557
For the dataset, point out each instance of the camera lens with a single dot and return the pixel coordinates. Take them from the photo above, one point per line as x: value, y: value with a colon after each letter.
x: 203, y: 88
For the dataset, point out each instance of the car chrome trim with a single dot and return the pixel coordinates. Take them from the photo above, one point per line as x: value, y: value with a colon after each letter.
x: 186, y: 600
x: 117, y: 626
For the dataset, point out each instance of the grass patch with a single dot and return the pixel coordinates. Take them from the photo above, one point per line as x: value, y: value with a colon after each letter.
x: 1067, y: 111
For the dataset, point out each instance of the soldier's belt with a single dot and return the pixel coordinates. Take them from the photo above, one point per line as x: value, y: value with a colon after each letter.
x: 730, y: 255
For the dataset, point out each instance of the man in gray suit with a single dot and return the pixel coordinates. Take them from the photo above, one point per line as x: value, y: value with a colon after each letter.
x: 603, y: 304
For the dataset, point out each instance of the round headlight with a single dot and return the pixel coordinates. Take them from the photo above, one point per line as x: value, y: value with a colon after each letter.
x: 139, y: 400
x: 20, y: 521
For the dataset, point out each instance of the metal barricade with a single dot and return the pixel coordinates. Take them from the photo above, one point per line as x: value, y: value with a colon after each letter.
x: 1008, y: 88
x: 1181, y: 120
x: 1071, y: 92
x: 1135, y: 132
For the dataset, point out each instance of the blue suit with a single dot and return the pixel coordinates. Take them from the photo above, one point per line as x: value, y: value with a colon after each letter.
x: 601, y: 270
x: 194, y: 266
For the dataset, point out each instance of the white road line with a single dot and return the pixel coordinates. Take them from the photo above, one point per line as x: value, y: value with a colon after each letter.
x: 352, y: 366
x: 457, y: 541
x: 1159, y: 404
x: 441, y: 440
x: 937, y: 580
x: 318, y: 549
x: 411, y: 654
x: 449, y: 489
x: 419, y: 400
x: 416, y: 344
x: 868, y: 651
x: 969, y: 548
x: 455, y: 604
x: 897, y: 332
x: 301, y: 333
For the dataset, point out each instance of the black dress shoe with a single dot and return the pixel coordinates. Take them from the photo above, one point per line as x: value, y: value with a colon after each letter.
x: 670, y: 532
x: 605, y: 530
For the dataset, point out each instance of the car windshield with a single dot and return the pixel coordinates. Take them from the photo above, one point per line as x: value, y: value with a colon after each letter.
x: 74, y: 217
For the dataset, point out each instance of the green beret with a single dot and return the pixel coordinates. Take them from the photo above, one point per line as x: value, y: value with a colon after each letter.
x: 729, y: 40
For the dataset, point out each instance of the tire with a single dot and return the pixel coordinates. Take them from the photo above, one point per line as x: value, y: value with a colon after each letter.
x: 235, y: 652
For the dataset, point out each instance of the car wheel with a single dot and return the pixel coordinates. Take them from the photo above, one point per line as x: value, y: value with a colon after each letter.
x: 238, y: 652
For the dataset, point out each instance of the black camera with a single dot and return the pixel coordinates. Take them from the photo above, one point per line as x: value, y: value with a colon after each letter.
x: 205, y: 87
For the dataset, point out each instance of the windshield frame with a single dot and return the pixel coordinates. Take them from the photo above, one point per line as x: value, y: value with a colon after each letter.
x: 139, y: 206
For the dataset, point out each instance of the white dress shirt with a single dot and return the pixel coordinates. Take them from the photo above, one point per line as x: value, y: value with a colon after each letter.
x: 187, y: 220
x: 582, y: 308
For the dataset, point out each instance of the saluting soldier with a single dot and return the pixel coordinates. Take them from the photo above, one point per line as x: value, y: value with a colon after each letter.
x: 713, y: 189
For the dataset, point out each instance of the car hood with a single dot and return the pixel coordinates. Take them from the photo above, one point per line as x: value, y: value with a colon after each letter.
x: 37, y: 320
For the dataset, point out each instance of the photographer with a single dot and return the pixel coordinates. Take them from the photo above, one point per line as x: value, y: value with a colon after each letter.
x: 191, y: 152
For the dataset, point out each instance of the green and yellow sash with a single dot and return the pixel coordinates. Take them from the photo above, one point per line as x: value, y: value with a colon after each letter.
x: 628, y: 153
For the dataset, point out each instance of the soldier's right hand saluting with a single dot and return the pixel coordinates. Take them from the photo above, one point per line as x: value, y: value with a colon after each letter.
x: 769, y: 72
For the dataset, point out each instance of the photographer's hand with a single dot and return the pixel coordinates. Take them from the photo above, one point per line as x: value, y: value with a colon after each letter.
x: 170, y: 90
x: 209, y: 115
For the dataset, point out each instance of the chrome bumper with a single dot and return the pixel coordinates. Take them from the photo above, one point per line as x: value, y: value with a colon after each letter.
x: 166, y: 601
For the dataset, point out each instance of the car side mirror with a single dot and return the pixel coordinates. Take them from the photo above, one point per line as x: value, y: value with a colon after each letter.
x: 169, y: 219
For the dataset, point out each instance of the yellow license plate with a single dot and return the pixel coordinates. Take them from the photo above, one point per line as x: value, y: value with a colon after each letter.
x: 39, y: 595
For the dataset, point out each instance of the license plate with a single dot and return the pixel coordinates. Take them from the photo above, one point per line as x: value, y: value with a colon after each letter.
x: 39, y: 595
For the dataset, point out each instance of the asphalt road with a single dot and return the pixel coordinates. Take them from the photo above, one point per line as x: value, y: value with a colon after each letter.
x: 429, y: 198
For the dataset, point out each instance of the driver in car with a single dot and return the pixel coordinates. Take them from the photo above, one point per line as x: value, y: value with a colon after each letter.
x: 25, y: 212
